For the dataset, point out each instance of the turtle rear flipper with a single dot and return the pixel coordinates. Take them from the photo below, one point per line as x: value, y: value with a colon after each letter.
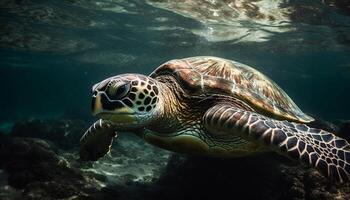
x: 96, y: 141
x: 315, y: 147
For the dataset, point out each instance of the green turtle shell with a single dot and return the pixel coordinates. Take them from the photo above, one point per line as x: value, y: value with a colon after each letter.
x: 206, y: 75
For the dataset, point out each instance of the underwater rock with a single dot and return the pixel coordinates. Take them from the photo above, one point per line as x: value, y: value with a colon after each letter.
x: 64, y: 133
x: 22, y: 158
x: 267, y: 176
x: 35, y: 166
x: 206, y: 178
x: 130, y: 161
x: 6, y: 191
x: 13, y: 148
x: 37, y: 169
x: 42, y: 171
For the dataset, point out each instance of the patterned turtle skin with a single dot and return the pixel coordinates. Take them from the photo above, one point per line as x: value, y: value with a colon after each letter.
x: 211, y: 106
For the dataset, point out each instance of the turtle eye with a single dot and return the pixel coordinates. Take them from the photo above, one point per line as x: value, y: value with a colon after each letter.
x: 121, y: 91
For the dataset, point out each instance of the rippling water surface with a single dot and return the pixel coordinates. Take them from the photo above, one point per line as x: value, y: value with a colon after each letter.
x: 51, y: 52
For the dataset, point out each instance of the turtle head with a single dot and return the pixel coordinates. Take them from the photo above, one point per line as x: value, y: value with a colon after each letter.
x: 128, y: 100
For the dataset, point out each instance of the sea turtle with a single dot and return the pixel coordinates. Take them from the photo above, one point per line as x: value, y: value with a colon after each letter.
x: 210, y: 106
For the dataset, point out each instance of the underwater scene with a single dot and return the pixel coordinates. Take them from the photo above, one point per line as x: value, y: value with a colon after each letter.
x: 175, y: 99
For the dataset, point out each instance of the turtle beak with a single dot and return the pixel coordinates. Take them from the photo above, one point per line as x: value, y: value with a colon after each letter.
x: 114, y: 111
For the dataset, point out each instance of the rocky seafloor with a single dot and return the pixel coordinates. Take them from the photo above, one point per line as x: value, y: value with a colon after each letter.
x: 39, y: 160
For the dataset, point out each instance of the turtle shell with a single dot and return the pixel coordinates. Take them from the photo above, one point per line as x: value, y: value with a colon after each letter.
x: 211, y: 75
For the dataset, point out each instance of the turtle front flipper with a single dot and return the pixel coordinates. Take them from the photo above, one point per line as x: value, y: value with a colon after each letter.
x: 317, y: 148
x: 97, y: 141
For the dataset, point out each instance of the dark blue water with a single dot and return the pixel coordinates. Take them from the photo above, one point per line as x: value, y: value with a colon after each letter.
x: 52, y: 52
